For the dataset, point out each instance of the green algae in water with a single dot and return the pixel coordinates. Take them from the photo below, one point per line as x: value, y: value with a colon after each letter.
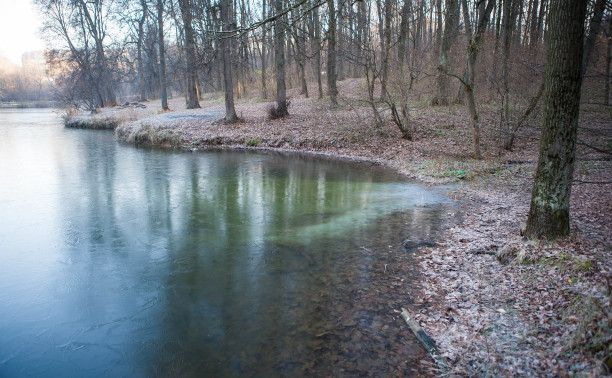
x: 131, y: 262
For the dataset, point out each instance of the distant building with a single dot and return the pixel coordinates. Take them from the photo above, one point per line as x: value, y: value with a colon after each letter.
x: 34, y: 59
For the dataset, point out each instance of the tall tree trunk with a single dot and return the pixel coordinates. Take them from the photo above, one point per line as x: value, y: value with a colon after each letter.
x: 473, y: 49
x: 550, y: 198
x: 279, y: 59
x: 386, y: 51
x: 331, y: 54
x: 141, y: 23
x: 190, y: 52
x: 533, y: 26
x: 419, y: 27
x: 299, y: 34
x: 264, y: 93
x: 430, y: 25
x: 594, y: 29
x: 162, y: 55
x: 543, y: 9
x: 439, y: 22
x: 317, y: 40
x: 226, y: 47
x: 402, y: 40
x: 507, y: 38
x: 340, y: 41
x: 608, y: 59
x: 363, y: 22
x: 498, y: 24
x: 517, y: 31
x: 448, y: 39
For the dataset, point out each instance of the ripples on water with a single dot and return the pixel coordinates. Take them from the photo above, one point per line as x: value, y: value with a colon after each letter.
x: 121, y: 261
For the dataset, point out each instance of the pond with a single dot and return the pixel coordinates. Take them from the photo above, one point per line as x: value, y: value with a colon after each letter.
x: 123, y: 261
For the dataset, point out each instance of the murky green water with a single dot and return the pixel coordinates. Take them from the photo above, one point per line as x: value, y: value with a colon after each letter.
x: 117, y: 261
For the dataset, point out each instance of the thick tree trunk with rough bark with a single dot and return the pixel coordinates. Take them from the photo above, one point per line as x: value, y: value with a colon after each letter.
x: 550, y: 198
x: 190, y: 52
x: 226, y: 46
x: 162, y: 54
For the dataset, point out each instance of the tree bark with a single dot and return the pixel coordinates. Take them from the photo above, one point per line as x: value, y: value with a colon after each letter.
x: 448, y: 39
x: 317, y: 41
x: 439, y: 22
x: 279, y: 59
x: 162, y: 55
x: 533, y: 26
x: 340, y: 41
x: 331, y: 54
x: 550, y: 198
x: 264, y: 93
x: 473, y: 49
x: 507, y: 38
x: 141, y: 22
x: 608, y: 59
x: 543, y: 9
x: 402, y: 40
x: 594, y: 29
x: 226, y: 46
x: 386, y: 51
x: 190, y: 52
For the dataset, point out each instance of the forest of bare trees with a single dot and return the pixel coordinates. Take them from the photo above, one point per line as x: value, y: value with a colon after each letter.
x: 460, y: 52
x: 451, y: 51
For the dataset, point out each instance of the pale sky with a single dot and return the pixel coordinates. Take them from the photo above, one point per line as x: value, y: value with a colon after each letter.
x: 19, y: 29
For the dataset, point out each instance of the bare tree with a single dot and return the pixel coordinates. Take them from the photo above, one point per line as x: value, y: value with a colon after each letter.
x: 226, y: 46
x: 141, y: 32
x: 550, y: 198
x: 331, y: 54
x: 190, y: 51
x: 474, y: 46
x: 386, y: 47
x: 264, y: 41
x: 594, y: 29
x: 279, y: 60
x: 95, y: 23
x: 448, y: 39
x: 162, y: 54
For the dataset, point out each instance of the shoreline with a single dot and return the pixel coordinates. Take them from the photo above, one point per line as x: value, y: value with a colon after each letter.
x: 534, y: 312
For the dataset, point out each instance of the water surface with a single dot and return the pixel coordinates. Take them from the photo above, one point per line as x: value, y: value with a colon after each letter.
x: 118, y: 261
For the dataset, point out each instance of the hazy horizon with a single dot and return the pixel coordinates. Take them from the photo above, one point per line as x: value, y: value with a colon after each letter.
x: 19, y: 30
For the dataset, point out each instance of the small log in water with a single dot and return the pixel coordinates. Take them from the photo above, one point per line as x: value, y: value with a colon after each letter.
x: 426, y: 341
